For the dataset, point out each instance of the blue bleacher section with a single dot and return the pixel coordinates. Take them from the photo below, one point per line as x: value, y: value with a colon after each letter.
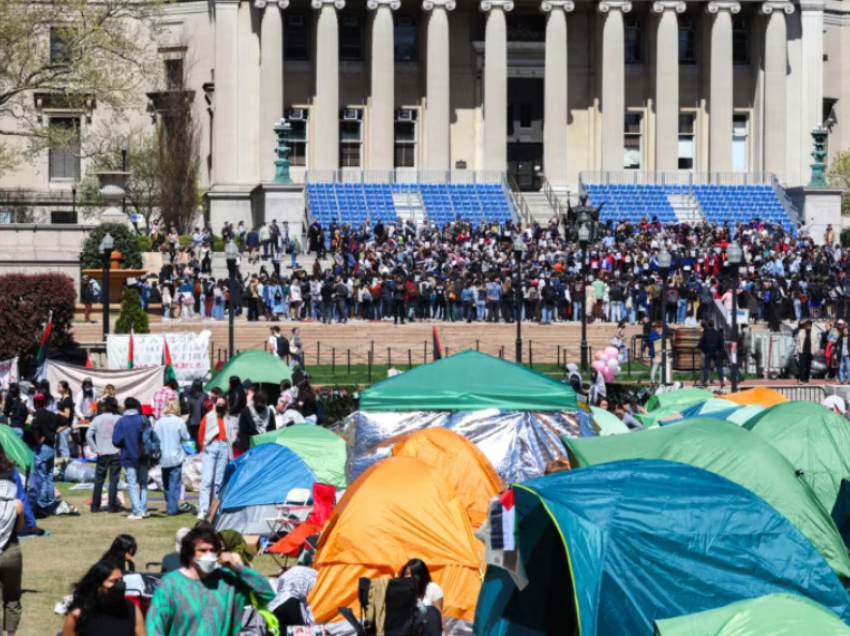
x: 633, y: 202
x: 351, y: 202
x: 741, y: 204
x: 356, y: 202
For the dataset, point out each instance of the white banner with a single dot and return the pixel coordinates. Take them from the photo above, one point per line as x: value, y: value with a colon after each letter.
x: 189, y: 353
x: 138, y: 383
x: 8, y: 372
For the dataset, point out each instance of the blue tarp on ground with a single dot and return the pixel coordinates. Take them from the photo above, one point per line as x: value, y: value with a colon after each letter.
x: 262, y: 476
x: 617, y: 546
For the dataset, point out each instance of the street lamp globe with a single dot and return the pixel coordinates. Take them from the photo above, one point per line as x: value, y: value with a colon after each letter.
x: 665, y: 260
x: 583, y: 236
x: 231, y: 251
x: 734, y: 254
x: 519, y: 245
x: 106, y: 244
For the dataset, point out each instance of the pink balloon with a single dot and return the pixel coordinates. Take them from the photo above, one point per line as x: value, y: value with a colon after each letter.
x: 612, y: 352
x: 608, y: 374
x: 598, y: 355
x: 599, y: 365
x: 614, y: 365
x: 604, y: 358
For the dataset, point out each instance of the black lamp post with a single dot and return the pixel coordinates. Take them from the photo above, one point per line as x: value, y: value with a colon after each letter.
x: 583, y: 241
x: 106, y: 245
x: 231, y: 252
x: 665, y: 260
x: 734, y: 258
x: 519, y: 250
x: 74, y: 202
x: 124, y: 148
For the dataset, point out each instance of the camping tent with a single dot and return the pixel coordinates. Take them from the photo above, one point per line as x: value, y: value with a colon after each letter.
x: 322, y: 450
x: 18, y: 452
x: 469, y: 381
x: 254, y: 483
x: 514, y: 415
x: 610, y: 549
x: 814, y: 440
x: 608, y: 423
x: 719, y: 409
x: 728, y: 450
x: 680, y: 398
x: 399, y: 509
x: 258, y: 366
x: 459, y: 461
x: 771, y: 615
x: 761, y: 396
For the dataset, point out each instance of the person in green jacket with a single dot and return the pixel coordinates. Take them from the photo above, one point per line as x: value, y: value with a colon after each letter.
x: 207, y: 595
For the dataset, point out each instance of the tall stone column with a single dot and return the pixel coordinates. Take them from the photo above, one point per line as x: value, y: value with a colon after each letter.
x: 613, y: 83
x: 775, y: 86
x: 226, y: 119
x: 437, y: 106
x: 271, y: 82
x: 811, y: 19
x: 667, y: 86
x: 555, y: 105
x: 326, y: 123
x: 248, y: 94
x: 721, y: 83
x: 496, y: 84
x: 382, y: 108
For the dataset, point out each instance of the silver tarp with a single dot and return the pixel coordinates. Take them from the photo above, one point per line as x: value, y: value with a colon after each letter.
x: 518, y: 444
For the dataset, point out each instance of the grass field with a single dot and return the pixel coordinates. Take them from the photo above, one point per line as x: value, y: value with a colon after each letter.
x: 53, y: 564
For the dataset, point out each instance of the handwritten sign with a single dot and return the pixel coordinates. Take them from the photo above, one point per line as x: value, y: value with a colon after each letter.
x: 189, y: 353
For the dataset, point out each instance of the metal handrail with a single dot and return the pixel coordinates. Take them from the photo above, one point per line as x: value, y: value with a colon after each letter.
x: 790, y: 209
x: 554, y: 201
x: 516, y: 194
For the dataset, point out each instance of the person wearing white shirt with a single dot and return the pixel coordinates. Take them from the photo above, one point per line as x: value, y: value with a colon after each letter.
x: 85, y: 403
x: 429, y: 595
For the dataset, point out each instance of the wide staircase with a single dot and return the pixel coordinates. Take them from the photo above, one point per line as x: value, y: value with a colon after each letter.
x: 539, y: 208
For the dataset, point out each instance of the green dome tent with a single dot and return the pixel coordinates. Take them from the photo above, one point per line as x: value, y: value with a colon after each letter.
x: 681, y: 398
x: 771, y: 615
x: 814, y: 439
x: 608, y: 423
x: 322, y: 450
x: 469, y: 381
x: 258, y: 366
x: 728, y: 450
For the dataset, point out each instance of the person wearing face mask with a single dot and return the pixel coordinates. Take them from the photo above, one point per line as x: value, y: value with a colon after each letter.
x: 212, y: 439
x: 85, y: 403
x: 99, y: 607
x: 207, y: 595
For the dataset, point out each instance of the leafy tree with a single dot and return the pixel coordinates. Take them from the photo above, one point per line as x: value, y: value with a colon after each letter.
x: 77, y: 56
x: 839, y: 176
x: 126, y: 242
x: 132, y: 316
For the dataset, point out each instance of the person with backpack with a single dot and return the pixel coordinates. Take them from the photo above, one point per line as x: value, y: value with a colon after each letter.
x: 278, y: 345
x: 171, y: 431
x: 127, y: 437
x: 341, y: 295
x: 256, y: 419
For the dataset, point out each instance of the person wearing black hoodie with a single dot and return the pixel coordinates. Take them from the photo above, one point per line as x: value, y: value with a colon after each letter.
x: 197, y: 397
x: 237, y: 400
x: 256, y: 419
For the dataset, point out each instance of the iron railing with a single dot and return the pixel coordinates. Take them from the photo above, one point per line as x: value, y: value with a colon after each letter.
x: 554, y: 202
x: 520, y: 206
x: 790, y: 209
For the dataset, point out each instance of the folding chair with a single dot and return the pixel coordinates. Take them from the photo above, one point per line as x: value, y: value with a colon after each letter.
x: 291, y: 512
x: 324, y: 499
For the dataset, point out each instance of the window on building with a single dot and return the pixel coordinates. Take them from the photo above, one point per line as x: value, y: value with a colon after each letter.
x: 687, y: 42
x: 405, y: 139
x: 740, y: 143
x: 406, y: 39
x: 350, y: 38
x: 633, y: 142
x: 298, y: 118
x: 59, y: 50
x: 64, y: 159
x: 687, y: 138
x: 740, y: 41
x: 633, y: 42
x: 296, y: 37
x: 351, y: 138
x: 63, y: 217
x: 174, y: 79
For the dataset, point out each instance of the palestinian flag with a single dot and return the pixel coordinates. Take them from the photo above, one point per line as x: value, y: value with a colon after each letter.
x: 166, y: 360
x: 438, y: 349
x: 44, y: 348
x: 130, y: 351
x: 503, y: 521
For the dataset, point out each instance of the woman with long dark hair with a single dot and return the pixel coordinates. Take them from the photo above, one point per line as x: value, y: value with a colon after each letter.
x: 121, y: 553
x: 14, y: 409
x: 429, y: 595
x: 65, y: 414
x: 98, y: 606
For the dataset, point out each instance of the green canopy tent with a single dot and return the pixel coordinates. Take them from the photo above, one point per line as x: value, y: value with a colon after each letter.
x: 681, y: 398
x: 16, y: 450
x: 469, y: 381
x: 322, y: 450
x: 258, y: 366
x: 730, y: 451
x: 608, y: 423
x: 771, y: 615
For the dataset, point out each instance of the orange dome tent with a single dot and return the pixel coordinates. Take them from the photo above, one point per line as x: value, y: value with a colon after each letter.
x: 461, y: 463
x: 398, y: 509
x: 760, y: 396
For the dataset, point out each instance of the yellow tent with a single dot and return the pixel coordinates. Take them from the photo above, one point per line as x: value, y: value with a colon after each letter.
x: 460, y: 462
x: 399, y: 509
x: 760, y: 396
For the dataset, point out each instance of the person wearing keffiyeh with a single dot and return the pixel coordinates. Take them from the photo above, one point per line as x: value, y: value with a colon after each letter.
x: 290, y: 604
